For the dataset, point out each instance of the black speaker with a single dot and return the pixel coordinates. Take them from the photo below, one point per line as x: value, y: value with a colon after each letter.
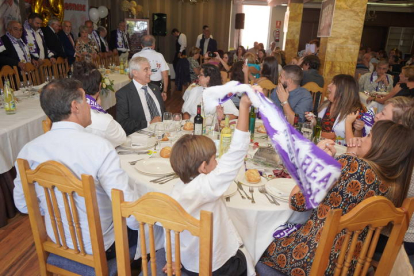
x: 239, y: 21
x: 159, y: 24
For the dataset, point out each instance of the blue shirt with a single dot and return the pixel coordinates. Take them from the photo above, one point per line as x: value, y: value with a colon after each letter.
x: 300, y: 100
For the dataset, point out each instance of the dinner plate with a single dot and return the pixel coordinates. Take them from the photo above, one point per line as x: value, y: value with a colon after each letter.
x: 231, y: 191
x: 242, y: 179
x: 280, y: 187
x: 139, y: 142
x: 154, y: 166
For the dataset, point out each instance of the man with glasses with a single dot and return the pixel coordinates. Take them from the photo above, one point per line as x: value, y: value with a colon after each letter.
x: 377, y: 81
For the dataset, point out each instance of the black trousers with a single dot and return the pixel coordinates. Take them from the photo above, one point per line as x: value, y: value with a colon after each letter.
x: 132, y: 241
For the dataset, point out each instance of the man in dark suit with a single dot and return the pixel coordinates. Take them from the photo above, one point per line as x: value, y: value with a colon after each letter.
x: 68, y: 42
x: 118, y: 42
x: 207, y: 43
x: 139, y: 103
x: 51, y: 38
x: 104, y: 47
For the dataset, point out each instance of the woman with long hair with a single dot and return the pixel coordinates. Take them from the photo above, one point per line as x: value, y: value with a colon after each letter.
x: 343, y: 99
x: 381, y: 166
x: 269, y: 75
x: 239, y: 55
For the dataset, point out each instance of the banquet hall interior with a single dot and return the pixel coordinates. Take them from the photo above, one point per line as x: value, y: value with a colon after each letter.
x: 119, y: 114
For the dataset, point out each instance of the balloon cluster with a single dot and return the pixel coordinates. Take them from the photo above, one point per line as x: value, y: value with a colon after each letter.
x: 132, y: 6
x: 96, y: 13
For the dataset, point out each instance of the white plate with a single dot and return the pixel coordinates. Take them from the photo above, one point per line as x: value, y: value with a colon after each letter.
x: 280, y: 187
x: 139, y: 142
x: 242, y: 179
x: 231, y: 191
x: 154, y: 166
x: 340, y: 149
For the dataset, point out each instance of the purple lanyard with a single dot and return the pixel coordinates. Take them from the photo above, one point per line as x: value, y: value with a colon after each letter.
x: 93, y: 104
x: 372, y: 80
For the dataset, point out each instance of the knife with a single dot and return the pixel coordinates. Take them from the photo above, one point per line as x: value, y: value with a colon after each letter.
x: 123, y: 152
x: 241, y: 188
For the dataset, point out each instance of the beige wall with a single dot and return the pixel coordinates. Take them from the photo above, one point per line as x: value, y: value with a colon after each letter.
x: 186, y: 17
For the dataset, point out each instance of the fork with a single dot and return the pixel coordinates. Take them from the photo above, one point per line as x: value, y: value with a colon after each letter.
x: 269, y: 197
x: 251, y: 190
x: 134, y: 162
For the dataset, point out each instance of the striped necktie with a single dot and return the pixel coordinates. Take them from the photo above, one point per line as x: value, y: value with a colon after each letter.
x: 151, y: 103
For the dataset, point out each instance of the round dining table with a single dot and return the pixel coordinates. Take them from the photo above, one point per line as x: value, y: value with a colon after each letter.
x: 255, y: 222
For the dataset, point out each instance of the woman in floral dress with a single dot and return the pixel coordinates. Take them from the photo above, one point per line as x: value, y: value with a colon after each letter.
x: 85, y: 48
x: 382, y: 162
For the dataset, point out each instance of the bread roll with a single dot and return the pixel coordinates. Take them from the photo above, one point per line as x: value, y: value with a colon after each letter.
x: 165, y: 152
x: 252, y: 176
x: 188, y: 126
x: 261, y: 129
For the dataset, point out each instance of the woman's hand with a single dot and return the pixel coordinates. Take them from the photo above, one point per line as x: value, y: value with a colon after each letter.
x: 257, y: 88
x: 358, y: 125
x: 310, y: 117
x: 327, y: 146
x: 351, y: 117
x: 354, y: 142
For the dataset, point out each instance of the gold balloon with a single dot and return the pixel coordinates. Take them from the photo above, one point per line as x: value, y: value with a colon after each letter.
x: 133, y: 10
x: 133, y: 4
x: 48, y: 9
x: 138, y: 8
x: 125, y: 5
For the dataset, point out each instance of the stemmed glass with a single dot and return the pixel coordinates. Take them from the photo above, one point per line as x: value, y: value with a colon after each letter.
x: 177, y: 118
x: 307, y: 130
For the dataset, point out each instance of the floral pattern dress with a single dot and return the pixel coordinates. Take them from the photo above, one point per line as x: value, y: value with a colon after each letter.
x: 89, y: 48
x: 293, y: 255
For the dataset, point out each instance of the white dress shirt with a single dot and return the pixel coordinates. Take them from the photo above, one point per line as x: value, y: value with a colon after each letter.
x: 205, y: 193
x: 105, y: 126
x: 141, y: 94
x: 194, y: 97
x: 182, y: 40
x: 40, y: 44
x: 199, y: 37
x: 83, y: 153
x: 156, y: 61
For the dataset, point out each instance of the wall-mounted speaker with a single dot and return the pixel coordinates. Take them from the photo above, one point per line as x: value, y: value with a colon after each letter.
x: 159, y: 24
x: 239, y: 21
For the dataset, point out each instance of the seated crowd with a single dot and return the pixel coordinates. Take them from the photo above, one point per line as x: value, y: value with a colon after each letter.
x: 378, y: 162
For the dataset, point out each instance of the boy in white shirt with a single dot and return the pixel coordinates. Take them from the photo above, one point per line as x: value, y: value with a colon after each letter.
x: 203, y: 182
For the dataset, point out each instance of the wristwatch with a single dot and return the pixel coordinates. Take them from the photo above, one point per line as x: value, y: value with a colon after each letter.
x: 283, y: 103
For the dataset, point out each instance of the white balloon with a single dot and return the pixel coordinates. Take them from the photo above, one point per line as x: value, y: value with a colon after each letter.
x: 94, y: 15
x: 103, y: 11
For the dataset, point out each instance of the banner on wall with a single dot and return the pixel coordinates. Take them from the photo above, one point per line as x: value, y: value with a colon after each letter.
x: 77, y: 12
x: 9, y: 10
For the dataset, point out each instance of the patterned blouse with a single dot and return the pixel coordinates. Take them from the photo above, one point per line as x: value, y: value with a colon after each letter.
x: 293, y: 255
x: 328, y: 122
x: 89, y: 48
x: 193, y: 64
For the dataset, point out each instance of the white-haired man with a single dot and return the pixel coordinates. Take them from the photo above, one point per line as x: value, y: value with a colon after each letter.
x: 52, y: 39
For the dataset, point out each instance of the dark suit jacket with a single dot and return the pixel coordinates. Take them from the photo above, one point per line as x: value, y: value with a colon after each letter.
x: 212, y: 45
x: 9, y: 56
x: 67, y: 46
x: 113, y: 41
x: 53, y: 42
x: 103, y: 48
x: 129, y: 110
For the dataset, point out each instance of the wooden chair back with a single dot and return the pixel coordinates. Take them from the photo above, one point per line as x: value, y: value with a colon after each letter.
x: 115, y: 59
x: 254, y: 70
x: 58, y: 181
x: 96, y: 60
x: 11, y: 74
x: 31, y: 74
x: 47, y: 71
x: 317, y: 95
x: 46, y: 125
x: 373, y: 213
x: 157, y: 207
x: 62, y: 68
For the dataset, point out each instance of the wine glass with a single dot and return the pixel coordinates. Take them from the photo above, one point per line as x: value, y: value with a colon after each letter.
x: 307, y: 130
x: 177, y: 118
x: 22, y: 87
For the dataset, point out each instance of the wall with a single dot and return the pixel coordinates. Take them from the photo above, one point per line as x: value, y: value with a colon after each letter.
x: 186, y: 17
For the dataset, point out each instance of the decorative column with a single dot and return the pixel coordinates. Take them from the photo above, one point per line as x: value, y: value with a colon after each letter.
x: 339, y: 52
x: 294, y: 21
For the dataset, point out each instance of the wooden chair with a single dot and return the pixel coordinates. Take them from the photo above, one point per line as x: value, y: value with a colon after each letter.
x: 61, y: 68
x: 253, y: 70
x: 55, y: 180
x: 373, y: 213
x: 46, y: 125
x: 115, y: 59
x: 11, y: 74
x: 97, y: 61
x: 47, y: 71
x: 317, y: 95
x: 31, y: 74
x: 158, y: 207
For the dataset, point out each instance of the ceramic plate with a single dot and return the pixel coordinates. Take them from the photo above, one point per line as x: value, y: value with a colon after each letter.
x: 280, y: 187
x: 154, y: 166
x: 139, y: 142
x: 231, y: 191
x: 242, y: 179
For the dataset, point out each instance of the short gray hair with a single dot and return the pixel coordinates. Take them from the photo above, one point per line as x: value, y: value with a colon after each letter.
x: 135, y: 64
x: 148, y: 40
x: 101, y: 29
x: 52, y: 21
x: 83, y: 28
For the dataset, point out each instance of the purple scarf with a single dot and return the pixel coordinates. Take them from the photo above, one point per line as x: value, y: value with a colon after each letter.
x: 313, y: 170
x: 369, y: 119
x: 93, y: 104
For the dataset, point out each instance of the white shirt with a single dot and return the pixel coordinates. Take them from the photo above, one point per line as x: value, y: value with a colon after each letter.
x: 367, y: 82
x: 141, y: 94
x: 199, y: 37
x: 182, y: 40
x: 106, y: 127
x: 156, y: 61
x: 205, y: 193
x: 83, y: 153
x: 194, y: 97
x: 40, y: 44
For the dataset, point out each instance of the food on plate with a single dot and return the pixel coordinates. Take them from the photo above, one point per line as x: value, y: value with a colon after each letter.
x: 261, y: 129
x: 165, y: 152
x: 188, y: 126
x: 252, y: 176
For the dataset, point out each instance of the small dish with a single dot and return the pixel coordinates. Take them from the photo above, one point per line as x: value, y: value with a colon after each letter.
x: 280, y: 187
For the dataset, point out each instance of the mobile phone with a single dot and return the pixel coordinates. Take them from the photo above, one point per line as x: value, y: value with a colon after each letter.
x: 310, y: 48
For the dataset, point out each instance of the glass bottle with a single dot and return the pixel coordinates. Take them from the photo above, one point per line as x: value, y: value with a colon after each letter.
x: 9, y: 101
x: 317, y: 129
x: 252, y: 122
x: 198, y: 122
x: 225, y: 137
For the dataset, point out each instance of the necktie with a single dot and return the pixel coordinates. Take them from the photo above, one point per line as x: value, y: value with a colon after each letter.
x: 71, y: 40
x: 151, y: 104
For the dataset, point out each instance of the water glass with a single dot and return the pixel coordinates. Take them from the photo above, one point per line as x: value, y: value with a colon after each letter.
x: 159, y: 131
x: 307, y: 130
x: 177, y: 118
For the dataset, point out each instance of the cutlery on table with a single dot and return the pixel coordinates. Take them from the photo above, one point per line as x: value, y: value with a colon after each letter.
x: 156, y: 144
x: 251, y: 190
x: 162, y: 177
x: 125, y: 152
x: 134, y: 162
x: 269, y: 197
x: 241, y: 188
x: 167, y: 179
x: 242, y: 196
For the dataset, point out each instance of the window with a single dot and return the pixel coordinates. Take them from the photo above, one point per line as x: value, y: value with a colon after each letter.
x: 256, y: 25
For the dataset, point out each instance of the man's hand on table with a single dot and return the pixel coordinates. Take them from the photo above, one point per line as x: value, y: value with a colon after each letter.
x: 156, y: 120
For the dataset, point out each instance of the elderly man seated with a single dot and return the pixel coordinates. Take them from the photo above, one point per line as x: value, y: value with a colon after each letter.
x: 377, y: 81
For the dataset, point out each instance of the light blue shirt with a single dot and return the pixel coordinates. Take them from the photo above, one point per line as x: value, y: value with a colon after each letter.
x: 300, y: 100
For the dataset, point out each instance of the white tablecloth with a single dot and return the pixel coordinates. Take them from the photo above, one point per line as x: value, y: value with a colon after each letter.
x: 377, y: 106
x: 254, y: 222
x: 26, y: 124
